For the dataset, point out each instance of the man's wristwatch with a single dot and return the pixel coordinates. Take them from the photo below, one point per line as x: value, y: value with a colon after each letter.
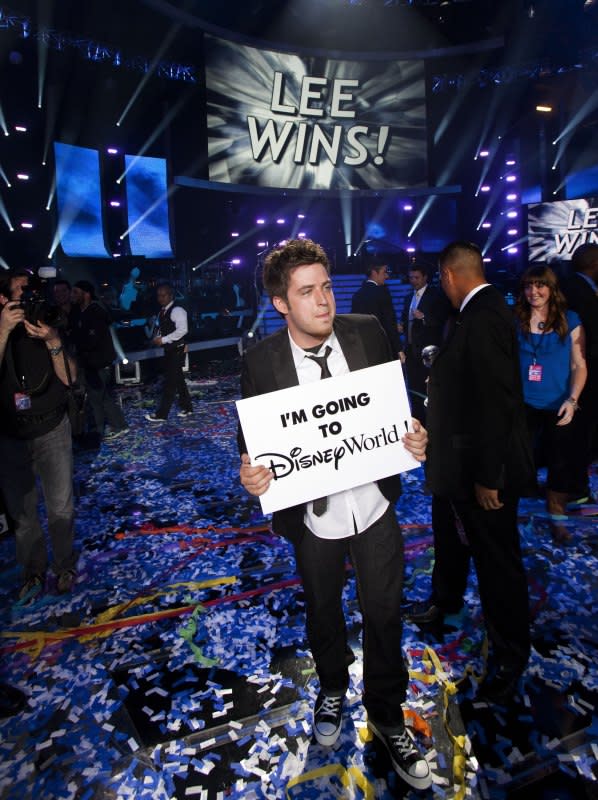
x: 55, y: 351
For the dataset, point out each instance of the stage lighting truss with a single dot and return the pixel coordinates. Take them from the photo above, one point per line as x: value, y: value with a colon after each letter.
x: 588, y: 59
x: 95, y: 51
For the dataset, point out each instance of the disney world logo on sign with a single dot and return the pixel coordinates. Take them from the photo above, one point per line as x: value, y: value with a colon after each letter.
x: 327, y: 436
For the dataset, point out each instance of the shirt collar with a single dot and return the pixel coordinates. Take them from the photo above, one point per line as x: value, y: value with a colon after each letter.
x: 299, y: 353
x: 471, y: 294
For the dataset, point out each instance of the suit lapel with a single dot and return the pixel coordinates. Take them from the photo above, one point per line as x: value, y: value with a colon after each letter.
x: 283, y: 366
x: 351, y: 345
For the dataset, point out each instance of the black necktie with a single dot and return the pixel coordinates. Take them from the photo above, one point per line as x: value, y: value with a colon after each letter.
x: 321, y: 503
x: 322, y: 362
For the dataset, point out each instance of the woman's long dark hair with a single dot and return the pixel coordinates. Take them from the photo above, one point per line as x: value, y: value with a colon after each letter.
x: 557, y: 318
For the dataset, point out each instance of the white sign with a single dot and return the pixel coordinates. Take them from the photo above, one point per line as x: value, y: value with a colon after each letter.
x: 330, y: 435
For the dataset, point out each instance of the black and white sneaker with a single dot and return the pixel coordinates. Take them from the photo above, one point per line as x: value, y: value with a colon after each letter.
x: 328, y: 715
x: 185, y: 413
x: 114, y: 433
x: 408, y: 762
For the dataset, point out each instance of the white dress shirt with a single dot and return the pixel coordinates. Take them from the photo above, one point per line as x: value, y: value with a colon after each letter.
x: 354, y: 510
x: 179, y: 317
x: 471, y: 294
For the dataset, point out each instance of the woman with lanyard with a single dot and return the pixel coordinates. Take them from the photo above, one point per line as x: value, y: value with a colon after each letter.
x: 553, y: 372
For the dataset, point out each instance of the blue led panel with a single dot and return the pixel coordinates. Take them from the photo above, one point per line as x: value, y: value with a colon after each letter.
x: 147, y: 207
x: 78, y: 195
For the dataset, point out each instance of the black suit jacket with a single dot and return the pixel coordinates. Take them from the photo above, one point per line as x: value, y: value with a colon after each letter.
x: 377, y: 300
x: 581, y: 298
x: 476, y: 417
x: 269, y: 366
x: 435, y: 307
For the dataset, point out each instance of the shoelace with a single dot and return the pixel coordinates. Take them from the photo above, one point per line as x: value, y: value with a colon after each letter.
x: 403, y: 744
x: 330, y: 706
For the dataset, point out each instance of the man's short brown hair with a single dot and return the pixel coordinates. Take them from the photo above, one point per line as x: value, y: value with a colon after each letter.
x: 280, y: 262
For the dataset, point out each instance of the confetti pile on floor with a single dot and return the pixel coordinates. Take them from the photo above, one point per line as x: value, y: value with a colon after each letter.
x: 179, y: 667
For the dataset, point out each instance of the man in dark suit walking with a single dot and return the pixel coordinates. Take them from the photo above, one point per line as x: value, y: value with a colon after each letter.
x: 581, y: 293
x: 373, y: 297
x: 359, y: 522
x: 479, y: 461
x: 422, y: 324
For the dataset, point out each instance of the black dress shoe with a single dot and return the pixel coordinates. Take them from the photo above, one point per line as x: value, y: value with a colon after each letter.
x: 424, y: 613
x: 500, y: 687
x: 12, y: 700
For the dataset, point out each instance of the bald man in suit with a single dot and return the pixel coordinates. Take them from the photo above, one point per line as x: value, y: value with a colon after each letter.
x: 479, y: 462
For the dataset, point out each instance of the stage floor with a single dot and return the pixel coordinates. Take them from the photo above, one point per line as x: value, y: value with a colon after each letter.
x: 179, y: 668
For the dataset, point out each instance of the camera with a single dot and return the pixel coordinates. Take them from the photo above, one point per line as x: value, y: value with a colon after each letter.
x: 37, y: 309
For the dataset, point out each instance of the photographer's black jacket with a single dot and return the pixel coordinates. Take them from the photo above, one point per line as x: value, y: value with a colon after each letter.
x: 27, y: 369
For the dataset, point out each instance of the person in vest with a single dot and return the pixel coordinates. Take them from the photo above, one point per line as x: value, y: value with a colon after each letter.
x: 171, y: 332
x: 95, y: 354
x: 35, y: 442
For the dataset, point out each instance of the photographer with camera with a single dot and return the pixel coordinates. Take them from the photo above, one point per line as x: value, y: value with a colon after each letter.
x: 35, y: 435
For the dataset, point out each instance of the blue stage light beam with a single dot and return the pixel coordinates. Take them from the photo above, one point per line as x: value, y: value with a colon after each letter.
x: 4, y: 177
x: 347, y: 219
x: 152, y: 68
x: 519, y: 241
x: 4, y: 215
x: 590, y: 104
x: 157, y: 131
x: 51, y: 194
x: 44, y: 13
x: 157, y: 202
x: 3, y: 124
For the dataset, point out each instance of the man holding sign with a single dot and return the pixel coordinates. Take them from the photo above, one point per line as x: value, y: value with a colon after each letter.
x: 359, y: 522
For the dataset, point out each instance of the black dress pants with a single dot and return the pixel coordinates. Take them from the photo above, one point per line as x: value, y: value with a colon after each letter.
x: 377, y: 558
x: 174, y: 382
x: 493, y: 538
